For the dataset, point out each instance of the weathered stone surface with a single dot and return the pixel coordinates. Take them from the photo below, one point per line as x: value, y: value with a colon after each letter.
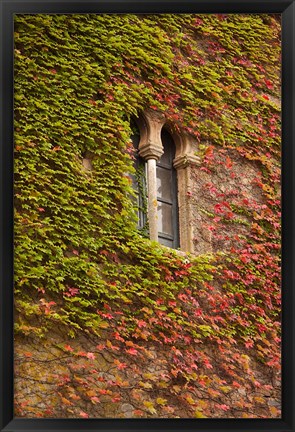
x: 52, y: 382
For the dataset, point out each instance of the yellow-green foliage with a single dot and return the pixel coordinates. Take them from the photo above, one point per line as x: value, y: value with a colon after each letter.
x: 78, y: 81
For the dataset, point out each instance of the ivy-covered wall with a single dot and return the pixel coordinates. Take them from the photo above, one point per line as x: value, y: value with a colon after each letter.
x: 130, y: 328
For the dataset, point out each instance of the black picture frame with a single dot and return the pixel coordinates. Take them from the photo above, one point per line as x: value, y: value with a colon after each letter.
x: 7, y: 10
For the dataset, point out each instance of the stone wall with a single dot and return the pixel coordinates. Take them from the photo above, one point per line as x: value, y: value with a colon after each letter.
x: 230, y: 179
x: 63, y: 378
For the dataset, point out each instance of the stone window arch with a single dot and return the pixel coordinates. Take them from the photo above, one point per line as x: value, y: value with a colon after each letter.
x: 153, y: 130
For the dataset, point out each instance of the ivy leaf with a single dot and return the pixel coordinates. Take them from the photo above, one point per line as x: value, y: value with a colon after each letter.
x: 90, y: 355
x: 199, y: 414
x: 145, y: 385
x: 132, y: 351
x: 161, y: 401
x: 150, y: 407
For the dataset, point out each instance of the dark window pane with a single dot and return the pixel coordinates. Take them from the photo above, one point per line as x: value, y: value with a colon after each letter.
x: 135, y: 136
x: 135, y: 140
x: 164, y: 186
x: 167, y: 194
x: 165, y: 159
x: 133, y: 180
x: 139, y: 183
x: 166, y: 242
x: 140, y: 187
x: 165, y: 224
x: 169, y: 149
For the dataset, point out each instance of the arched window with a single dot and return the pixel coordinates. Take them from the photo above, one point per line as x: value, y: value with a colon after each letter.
x: 163, y: 163
x: 167, y: 207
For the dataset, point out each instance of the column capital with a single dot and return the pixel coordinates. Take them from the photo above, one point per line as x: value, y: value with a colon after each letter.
x: 182, y: 161
x: 151, y: 150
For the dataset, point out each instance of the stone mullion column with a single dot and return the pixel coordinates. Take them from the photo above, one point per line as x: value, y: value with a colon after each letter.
x: 151, y: 152
x: 151, y: 149
x: 152, y: 198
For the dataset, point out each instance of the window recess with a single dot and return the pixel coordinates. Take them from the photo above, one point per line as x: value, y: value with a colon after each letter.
x: 167, y: 208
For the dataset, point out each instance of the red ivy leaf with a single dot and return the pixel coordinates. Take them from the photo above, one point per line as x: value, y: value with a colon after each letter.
x: 68, y: 348
x: 120, y: 365
x: 223, y: 407
x: 141, y: 323
x: 100, y: 347
x: 90, y: 355
x: 132, y: 351
x: 268, y: 84
x: 95, y: 399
